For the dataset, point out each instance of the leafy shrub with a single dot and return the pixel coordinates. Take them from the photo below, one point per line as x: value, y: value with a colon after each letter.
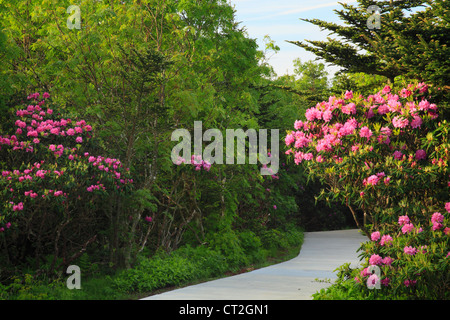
x: 163, y: 270
x: 227, y: 243
x: 28, y: 288
x: 386, y: 155
x: 51, y: 188
x: 253, y: 246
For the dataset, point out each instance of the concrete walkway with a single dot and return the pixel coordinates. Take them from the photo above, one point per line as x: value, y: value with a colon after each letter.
x: 297, y: 279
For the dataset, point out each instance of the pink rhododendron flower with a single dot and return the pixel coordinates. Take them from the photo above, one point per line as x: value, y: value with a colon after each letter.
x: 421, y: 154
x: 437, y: 217
x: 385, y: 281
x: 437, y: 226
x: 327, y: 115
x: 148, y: 219
x: 349, y: 108
x: 348, y: 94
x: 79, y: 139
x: 32, y: 133
x: 394, y: 105
x: 365, y: 132
x: 298, y: 124
x: 383, y: 109
x: 289, y: 139
x: 410, y: 250
x: 21, y: 124
x: 407, y: 228
x: 423, y: 87
x: 409, y: 283
x: 387, y: 261
x: 400, y: 122
x: 424, y: 105
x: 375, y: 236
x: 179, y: 161
x: 398, y: 155
x: 375, y: 259
x: 403, y: 220
x: 404, y: 93
x: 18, y: 207
x: 386, y: 90
x: 416, y: 122
x: 206, y: 165
x: 311, y: 114
x: 447, y: 206
x: 40, y: 174
x: 373, y: 180
x: 365, y: 272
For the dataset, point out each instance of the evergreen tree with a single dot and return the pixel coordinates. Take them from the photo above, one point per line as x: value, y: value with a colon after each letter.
x: 411, y: 39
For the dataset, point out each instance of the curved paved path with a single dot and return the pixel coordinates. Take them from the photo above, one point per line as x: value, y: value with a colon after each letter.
x: 321, y: 253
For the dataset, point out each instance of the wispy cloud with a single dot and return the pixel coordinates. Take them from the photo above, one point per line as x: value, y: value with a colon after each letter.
x: 280, y: 9
x: 280, y: 20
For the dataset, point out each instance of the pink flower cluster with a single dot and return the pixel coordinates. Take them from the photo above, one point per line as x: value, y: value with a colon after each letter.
x: 93, y: 187
x: 436, y: 220
x: 17, y: 207
x: 375, y: 178
x: 407, y: 226
x: 385, y: 239
x: 376, y: 259
x: 318, y: 133
x: 410, y: 250
x: 110, y: 166
x: 196, y: 161
x: 35, y: 126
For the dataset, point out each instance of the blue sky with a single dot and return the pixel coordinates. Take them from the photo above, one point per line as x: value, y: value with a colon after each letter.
x: 280, y: 19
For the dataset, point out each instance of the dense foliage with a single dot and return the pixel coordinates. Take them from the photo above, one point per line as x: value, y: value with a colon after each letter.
x: 90, y: 96
x: 87, y: 112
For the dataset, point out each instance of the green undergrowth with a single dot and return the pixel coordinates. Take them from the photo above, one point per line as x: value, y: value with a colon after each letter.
x: 161, y: 271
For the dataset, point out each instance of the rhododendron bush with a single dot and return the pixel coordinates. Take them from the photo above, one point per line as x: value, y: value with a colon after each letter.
x: 52, y: 188
x: 386, y: 155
